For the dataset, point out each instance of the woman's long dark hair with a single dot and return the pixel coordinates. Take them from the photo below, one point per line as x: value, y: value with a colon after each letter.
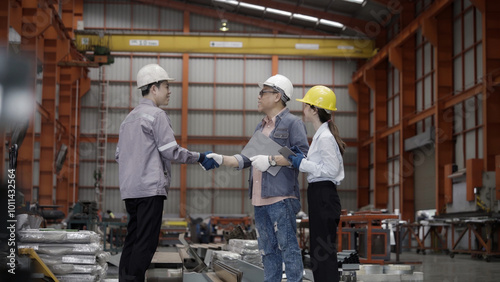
x: 324, y: 117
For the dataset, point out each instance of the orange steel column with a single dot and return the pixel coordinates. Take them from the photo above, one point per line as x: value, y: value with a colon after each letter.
x: 448, y: 184
x: 47, y: 135
x: 4, y: 26
x: 30, y: 46
x: 361, y: 94
x: 73, y: 154
x: 474, y: 172
x: 376, y: 79
x: 67, y: 76
x: 407, y: 14
x: 81, y: 88
x: 491, y: 95
x: 403, y: 58
x: 184, y: 122
x: 439, y: 32
x: 497, y: 176
x: 274, y: 65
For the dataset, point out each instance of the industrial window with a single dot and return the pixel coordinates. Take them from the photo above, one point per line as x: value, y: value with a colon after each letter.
x: 467, y: 74
x: 467, y: 46
x: 393, y: 28
x: 425, y: 72
x: 468, y: 130
x: 393, y: 100
x: 372, y: 112
x: 393, y: 96
x: 422, y: 5
x: 393, y: 173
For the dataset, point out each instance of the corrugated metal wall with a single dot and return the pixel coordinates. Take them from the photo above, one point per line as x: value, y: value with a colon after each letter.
x: 222, y: 101
x: 146, y: 18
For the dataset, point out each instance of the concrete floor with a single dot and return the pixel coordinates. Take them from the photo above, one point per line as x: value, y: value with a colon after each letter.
x: 461, y: 268
x: 436, y: 268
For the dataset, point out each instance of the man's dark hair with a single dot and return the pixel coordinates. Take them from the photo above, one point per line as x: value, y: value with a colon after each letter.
x: 145, y: 91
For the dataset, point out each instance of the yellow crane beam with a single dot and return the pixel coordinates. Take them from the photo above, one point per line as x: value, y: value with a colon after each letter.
x: 295, y: 46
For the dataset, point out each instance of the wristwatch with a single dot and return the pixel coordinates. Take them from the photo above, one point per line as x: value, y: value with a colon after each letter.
x: 272, y: 161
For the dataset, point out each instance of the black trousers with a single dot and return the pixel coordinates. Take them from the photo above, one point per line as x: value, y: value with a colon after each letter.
x: 143, y: 232
x: 324, y: 217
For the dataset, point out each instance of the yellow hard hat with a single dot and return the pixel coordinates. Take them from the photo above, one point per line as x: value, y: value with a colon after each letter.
x: 321, y: 97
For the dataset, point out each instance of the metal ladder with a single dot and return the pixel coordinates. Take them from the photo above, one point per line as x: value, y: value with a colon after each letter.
x: 102, y: 141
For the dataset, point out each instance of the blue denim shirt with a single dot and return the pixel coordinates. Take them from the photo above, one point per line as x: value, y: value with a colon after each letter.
x: 289, y: 131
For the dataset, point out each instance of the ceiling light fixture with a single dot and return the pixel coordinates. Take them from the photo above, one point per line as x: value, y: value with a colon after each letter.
x: 355, y: 1
x: 305, y: 18
x: 223, y: 25
x: 278, y: 12
x: 331, y: 23
x: 230, y: 2
x: 251, y: 6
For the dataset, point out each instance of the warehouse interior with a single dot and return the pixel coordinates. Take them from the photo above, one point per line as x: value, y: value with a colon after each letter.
x: 417, y: 85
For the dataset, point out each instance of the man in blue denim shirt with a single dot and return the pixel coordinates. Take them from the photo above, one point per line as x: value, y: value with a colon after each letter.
x: 276, y: 199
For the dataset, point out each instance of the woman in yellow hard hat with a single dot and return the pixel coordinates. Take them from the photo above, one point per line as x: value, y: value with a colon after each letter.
x: 325, y: 170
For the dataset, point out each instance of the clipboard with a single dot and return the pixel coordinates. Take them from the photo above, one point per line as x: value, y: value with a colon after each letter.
x: 286, y: 152
x: 261, y: 144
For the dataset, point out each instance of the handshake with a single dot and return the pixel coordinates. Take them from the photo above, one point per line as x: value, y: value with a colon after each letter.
x: 209, y: 160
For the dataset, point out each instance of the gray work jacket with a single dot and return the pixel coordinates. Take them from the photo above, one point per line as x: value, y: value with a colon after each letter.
x: 146, y: 145
x: 289, y: 131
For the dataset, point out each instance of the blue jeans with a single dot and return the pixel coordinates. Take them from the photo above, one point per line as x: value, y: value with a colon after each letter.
x: 276, y: 234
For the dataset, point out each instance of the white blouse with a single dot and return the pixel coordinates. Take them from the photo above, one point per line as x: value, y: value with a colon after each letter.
x: 324, y: 161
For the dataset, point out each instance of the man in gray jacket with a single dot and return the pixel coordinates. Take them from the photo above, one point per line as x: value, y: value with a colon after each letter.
x: 146, y: 146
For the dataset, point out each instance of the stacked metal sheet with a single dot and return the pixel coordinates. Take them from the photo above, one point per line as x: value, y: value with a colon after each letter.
x: 347, y: 257
x: 70, y: 255
x: 388, y: 273
x: 248, y: 249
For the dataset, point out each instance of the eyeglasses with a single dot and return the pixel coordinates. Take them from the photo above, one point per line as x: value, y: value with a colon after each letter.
x: 262, y: 92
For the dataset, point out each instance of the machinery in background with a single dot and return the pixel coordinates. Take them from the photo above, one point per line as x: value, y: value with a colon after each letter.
x: 470, y: 222
x: 215, y: 229
x: 171, y: 228
x: 363, y: 232
x: 114, y: 233
x: 232, y: 227
x: 96, y: 49
x: 475, y: 199
x: 83, y: 216
x: 50, y: 213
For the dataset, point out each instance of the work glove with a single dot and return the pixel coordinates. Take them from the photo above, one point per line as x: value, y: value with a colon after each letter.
x: 218, y: 158
x: 260, y: 162
x: 297, y: 159
x: 207, y: 163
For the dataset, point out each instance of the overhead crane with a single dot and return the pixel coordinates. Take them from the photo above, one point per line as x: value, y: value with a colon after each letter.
x: 217, y: 44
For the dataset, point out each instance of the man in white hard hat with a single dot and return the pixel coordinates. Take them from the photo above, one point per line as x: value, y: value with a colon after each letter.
x: 276, y: 199
x: 146, y: 146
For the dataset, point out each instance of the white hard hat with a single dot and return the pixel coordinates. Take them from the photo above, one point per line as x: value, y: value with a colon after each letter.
x: 280, y: 82
x: 151, y: 73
